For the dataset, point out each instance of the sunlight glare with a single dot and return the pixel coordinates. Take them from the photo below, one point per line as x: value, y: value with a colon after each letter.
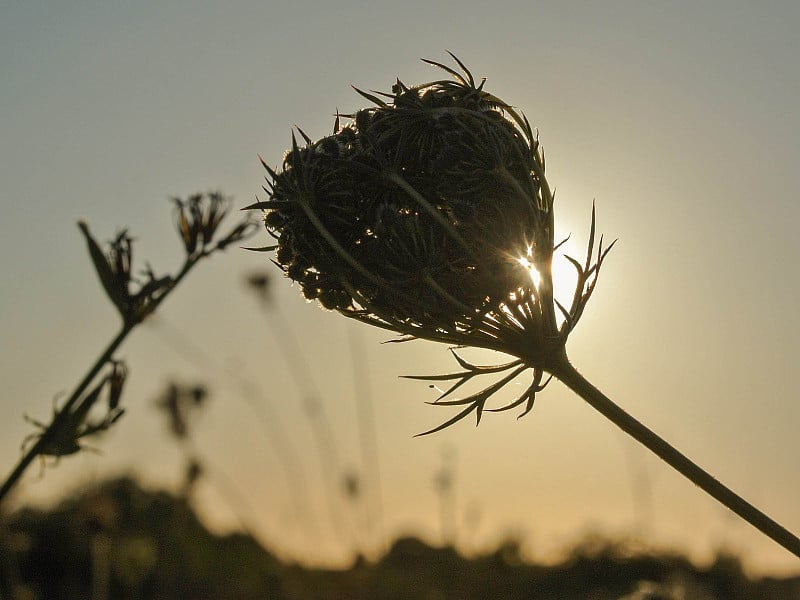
x: 535, y: 276
x: 564, y: 276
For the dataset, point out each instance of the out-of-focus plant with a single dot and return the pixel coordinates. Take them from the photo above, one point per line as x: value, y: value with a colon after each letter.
x: 367, y: 483
x: 312, y: 396
x: 444, y: 482
x: 77, y: 424
x: 135, y: 296
x: 429, y: 214
x: 271, y: 429
x: 179, y: 404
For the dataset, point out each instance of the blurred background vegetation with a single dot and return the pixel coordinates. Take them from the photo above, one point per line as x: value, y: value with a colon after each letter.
x: 119, y: 540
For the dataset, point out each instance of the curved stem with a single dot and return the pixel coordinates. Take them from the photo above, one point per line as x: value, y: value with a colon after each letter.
x: 566, y: 373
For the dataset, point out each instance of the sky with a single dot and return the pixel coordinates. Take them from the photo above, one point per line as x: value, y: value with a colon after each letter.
x: 677, y: 119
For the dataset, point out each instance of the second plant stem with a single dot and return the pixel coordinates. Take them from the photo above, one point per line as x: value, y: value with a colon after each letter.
x: 567, y: 374
x: 61, y: 417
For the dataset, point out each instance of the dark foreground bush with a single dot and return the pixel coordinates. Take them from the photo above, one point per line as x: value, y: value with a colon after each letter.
x: 119, y: 541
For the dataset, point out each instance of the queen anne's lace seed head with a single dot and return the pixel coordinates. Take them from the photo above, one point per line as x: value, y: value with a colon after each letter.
x: 414, y: 216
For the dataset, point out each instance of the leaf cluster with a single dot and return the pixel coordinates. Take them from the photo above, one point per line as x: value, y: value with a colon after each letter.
x: 64, y: 435
x: 197, y: 220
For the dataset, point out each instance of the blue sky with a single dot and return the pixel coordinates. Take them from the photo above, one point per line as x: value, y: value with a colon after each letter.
x: 678, y: 119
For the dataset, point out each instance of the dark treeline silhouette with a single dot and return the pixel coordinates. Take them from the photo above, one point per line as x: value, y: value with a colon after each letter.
x: 118, y: 540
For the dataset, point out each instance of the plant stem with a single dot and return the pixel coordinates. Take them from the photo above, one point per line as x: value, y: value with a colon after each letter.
x: 62, y: 415
x: 568, y: 375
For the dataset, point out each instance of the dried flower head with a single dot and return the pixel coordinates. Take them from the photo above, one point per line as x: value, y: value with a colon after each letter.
x: 426, y: 214
x: 429, y: 215
x: 114, y: 268
x: 198, y: 218
x: 179, y: 402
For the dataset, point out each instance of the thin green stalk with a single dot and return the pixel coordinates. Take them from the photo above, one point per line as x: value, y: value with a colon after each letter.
x: 568, y: 375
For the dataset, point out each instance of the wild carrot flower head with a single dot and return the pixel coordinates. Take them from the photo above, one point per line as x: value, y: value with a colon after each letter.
x: 198, y: 218
x: 427, y: 213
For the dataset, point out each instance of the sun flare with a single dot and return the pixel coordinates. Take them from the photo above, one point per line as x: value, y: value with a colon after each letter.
x: 534, y: 273
x: 564, y: 276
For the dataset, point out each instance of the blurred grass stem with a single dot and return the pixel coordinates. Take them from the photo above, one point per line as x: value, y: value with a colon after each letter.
x: 322, y: 431
x: 367, y: 433
x: 273, y: 431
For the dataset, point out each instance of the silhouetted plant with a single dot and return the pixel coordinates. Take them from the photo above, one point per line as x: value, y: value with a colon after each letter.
x: 77, y: 424
x: 272, y: 431
x: 162, y: 550
x: 260, y: 283
x: 197, y: 219
x: 429, y: 214
x: 179, y: 403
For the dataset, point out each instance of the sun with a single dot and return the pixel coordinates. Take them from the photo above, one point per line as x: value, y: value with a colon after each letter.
x: 565, y: 277
x: 525, y: 262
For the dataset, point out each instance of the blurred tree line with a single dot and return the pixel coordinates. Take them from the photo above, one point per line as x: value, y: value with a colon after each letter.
x: 118, y: 540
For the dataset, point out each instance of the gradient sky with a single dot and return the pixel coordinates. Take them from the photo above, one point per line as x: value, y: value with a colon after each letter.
x: 680, y: 119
